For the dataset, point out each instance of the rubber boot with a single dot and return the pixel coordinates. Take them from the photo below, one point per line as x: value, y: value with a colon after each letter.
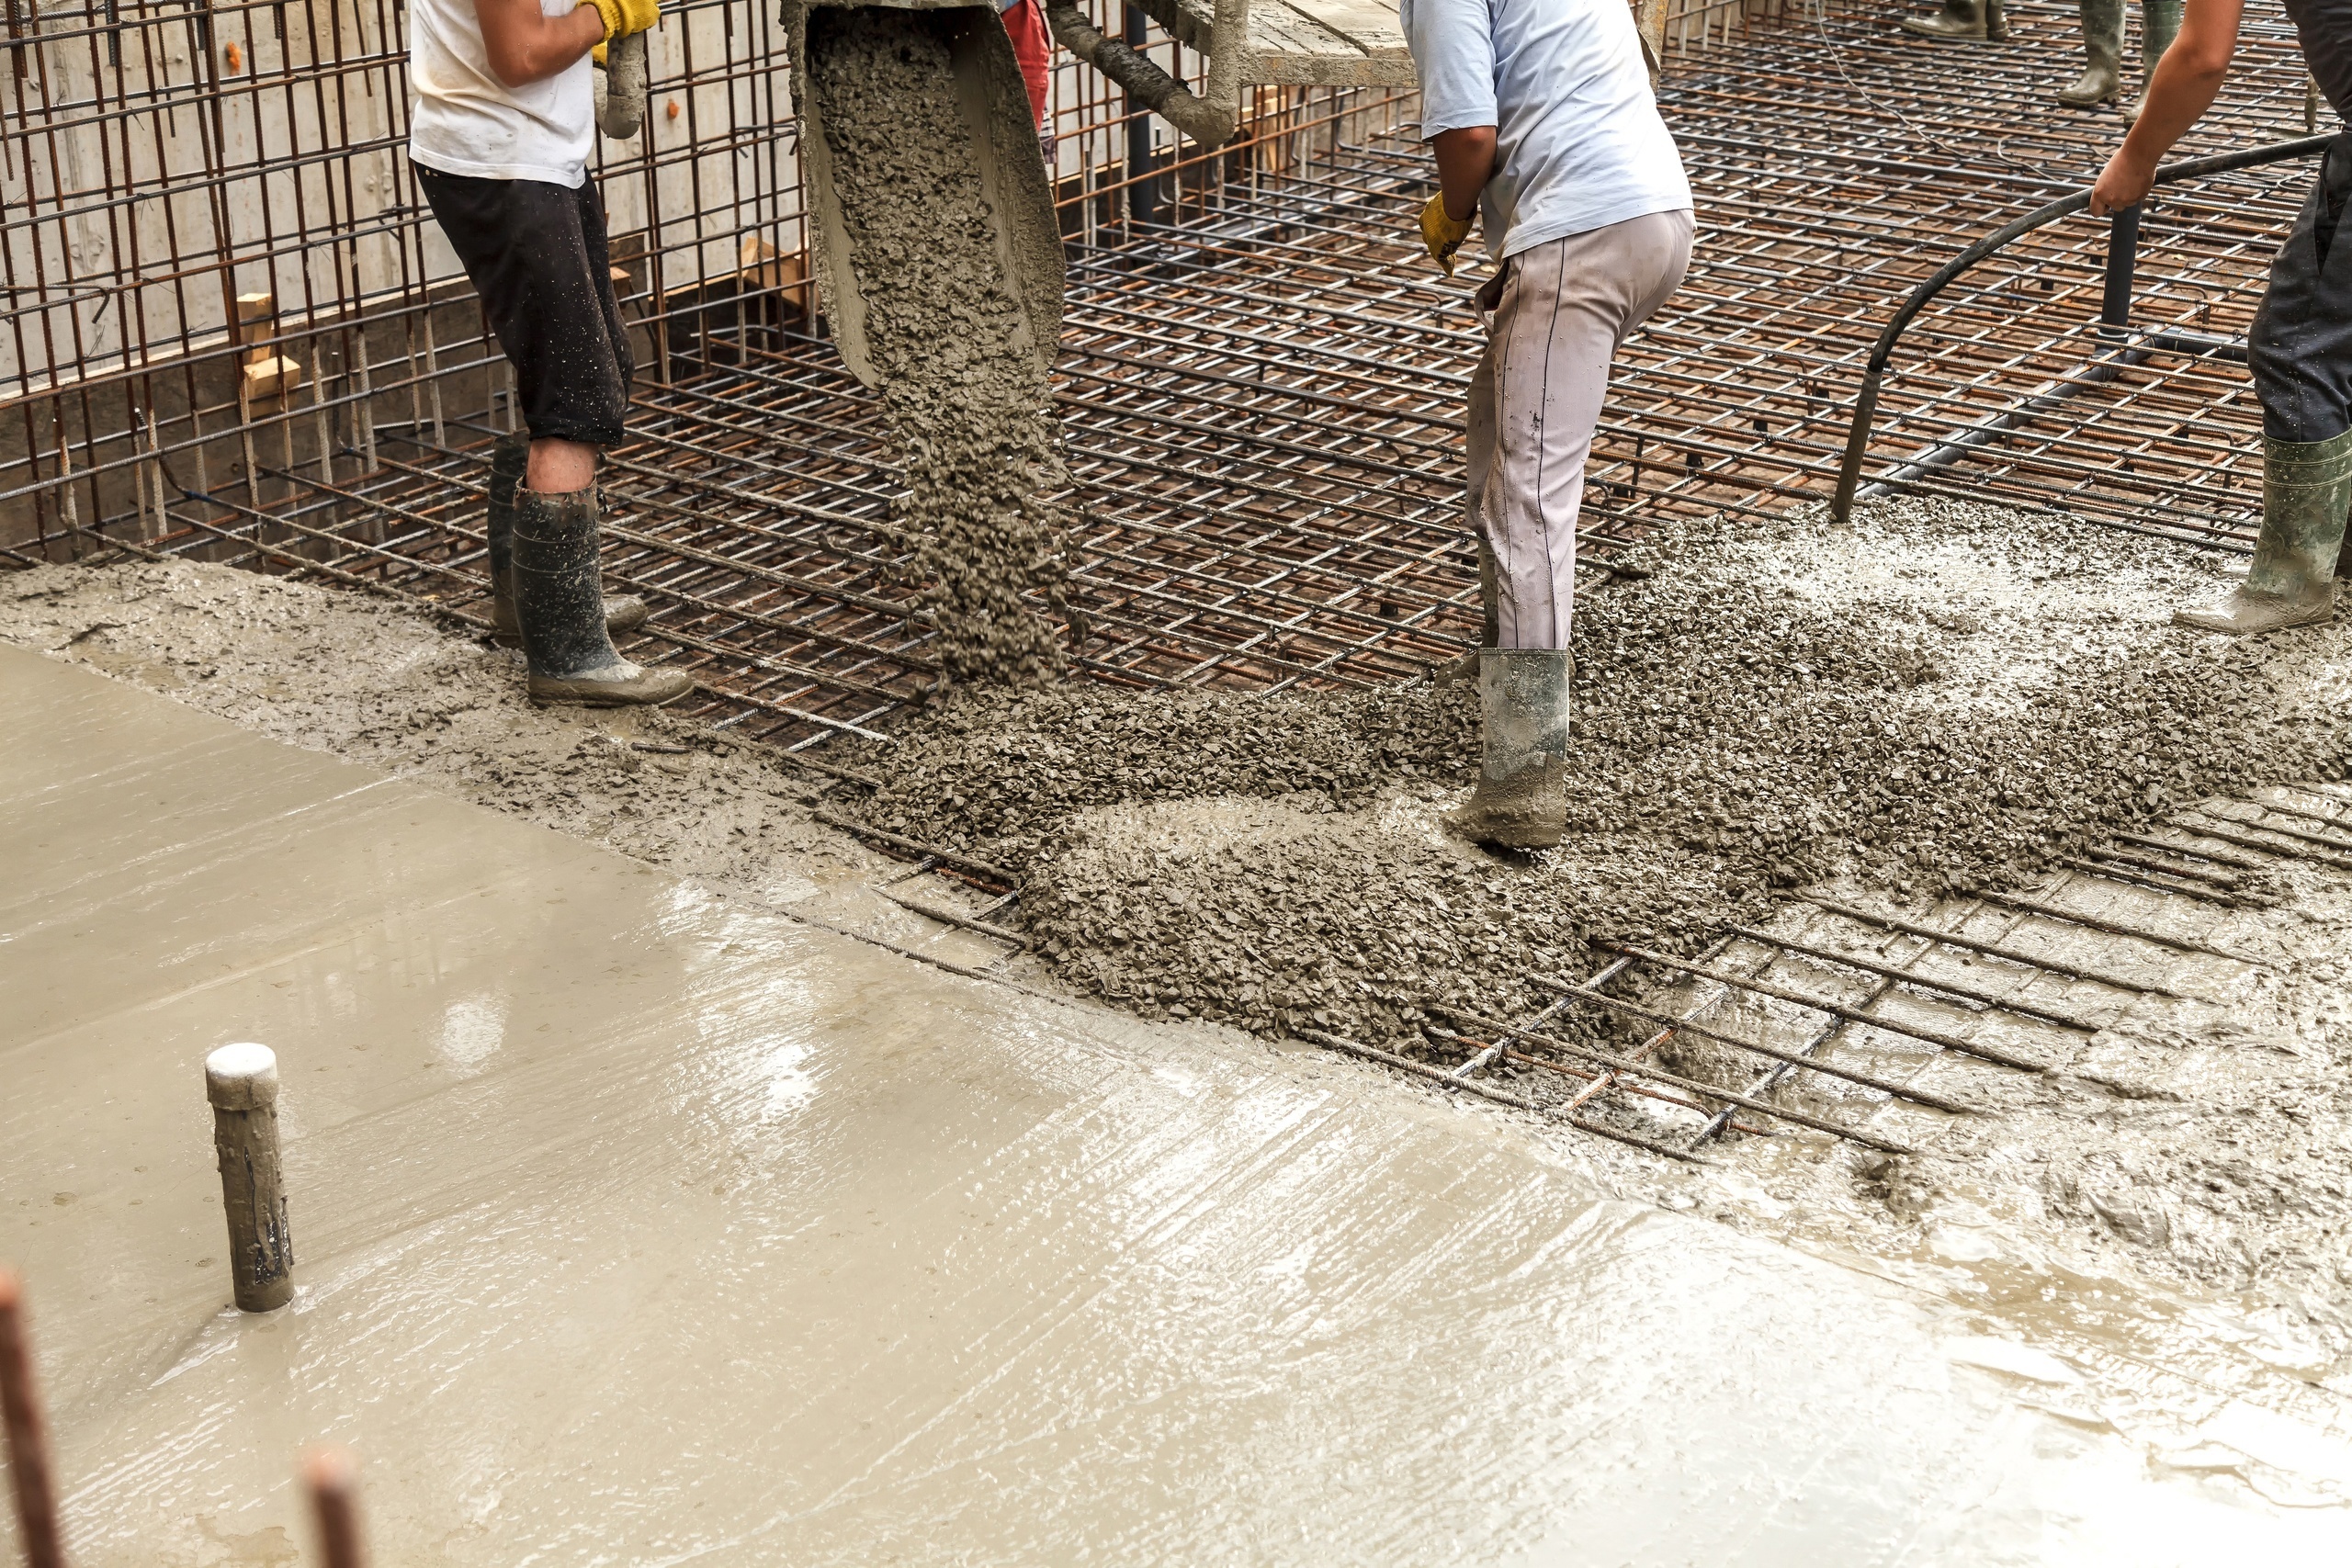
x: 1491, y: 609
x: 572, y: 656
x: 2103, y: 45
x: 2306, y: 491
x: 508, y: 460
x: 1521, y: 800
x: 2159, y: 25
x: 1959, y: 18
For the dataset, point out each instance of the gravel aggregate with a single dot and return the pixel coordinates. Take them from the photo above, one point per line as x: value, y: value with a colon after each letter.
x: 1942, y: 696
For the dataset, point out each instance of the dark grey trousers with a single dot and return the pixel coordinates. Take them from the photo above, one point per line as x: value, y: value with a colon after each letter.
x: 2300, y: 347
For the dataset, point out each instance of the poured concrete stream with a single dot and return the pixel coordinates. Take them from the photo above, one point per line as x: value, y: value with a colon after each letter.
x: 638, y: 1226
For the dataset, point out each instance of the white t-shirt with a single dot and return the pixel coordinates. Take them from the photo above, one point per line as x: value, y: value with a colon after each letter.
x: 1579, y: 144
x: 466, y: 122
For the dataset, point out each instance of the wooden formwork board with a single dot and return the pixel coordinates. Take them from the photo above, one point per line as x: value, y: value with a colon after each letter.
x: 1304, y: 44
x: 1353, y: 43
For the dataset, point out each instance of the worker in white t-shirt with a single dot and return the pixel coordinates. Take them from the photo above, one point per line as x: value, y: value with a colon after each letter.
x: 1541, y: 116
x: 500, y: 137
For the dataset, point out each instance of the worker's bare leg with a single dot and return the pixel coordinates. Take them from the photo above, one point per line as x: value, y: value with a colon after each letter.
x: 559, y: 467
x: 1558, y: 318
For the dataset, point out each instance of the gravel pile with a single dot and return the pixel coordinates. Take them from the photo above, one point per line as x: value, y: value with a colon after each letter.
x: 1941, y: 696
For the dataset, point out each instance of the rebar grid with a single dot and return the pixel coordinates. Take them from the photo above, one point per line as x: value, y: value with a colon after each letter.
x: 1261, y: 382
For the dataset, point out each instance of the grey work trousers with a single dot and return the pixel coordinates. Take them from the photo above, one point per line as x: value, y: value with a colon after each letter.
x: 2300, y: 349
x: 1555, y: 314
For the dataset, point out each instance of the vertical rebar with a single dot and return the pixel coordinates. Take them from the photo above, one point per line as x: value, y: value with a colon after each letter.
x: 332, y: 1480
x: 28, y: 1443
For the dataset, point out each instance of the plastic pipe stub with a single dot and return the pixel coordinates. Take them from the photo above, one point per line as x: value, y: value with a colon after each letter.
x: 241, y: 1077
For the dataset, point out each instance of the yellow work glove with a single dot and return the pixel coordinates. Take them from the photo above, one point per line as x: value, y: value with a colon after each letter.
x: 623, y: 17
x: 597, y: 54
x: 1442, y: 235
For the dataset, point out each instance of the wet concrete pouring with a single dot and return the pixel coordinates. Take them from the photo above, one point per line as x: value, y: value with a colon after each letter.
x: 969, y: 408
x: 1912, y: 716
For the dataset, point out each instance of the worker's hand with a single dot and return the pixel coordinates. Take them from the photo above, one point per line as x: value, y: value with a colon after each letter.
x: 597, y: 54
x: 1442, y: 234
x: 623, y: 17
x: 2125, y: 182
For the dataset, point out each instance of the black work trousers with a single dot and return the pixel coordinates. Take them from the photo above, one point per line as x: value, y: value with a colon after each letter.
x: 2300, y: 347
x: 536, y: 253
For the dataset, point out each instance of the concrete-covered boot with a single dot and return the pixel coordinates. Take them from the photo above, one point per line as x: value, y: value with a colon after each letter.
x: 2159, y: 25
x: 2306, y: 489
x: 1521, y: 800
x: 2103, y: 47
x: 1490, y: 617
x: 1959, y: 18
x: 508, y: 460
x: 561, y: 613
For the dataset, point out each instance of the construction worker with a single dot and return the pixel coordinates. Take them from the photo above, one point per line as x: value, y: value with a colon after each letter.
x: 500, y: 141
x: 1032, y: 48
x: 2299, y: 348
x: 2102, y: 22
x: 1541, y: 116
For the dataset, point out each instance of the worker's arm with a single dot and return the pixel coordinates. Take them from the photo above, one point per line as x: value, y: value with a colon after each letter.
x: 525, y: 47
x: 2182, y: 89
x: 1466, y: 161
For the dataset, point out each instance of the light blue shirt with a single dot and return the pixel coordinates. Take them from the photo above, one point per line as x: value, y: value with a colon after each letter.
x: 1579, y: 144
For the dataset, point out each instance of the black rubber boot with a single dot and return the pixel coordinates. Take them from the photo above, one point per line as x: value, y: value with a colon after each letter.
x: 508, y: 461
x: 1490, y: 608
x: 1959, y: 18
x: 1521, y: 800
x: 560, y: 611
x: 2159, y: 25
x: 2103, y: 45
x: 2306, y: 491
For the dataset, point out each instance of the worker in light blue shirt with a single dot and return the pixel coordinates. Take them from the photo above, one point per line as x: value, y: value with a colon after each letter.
x: 1541, y: 115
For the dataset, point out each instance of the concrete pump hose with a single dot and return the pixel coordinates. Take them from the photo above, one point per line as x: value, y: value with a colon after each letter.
x: 1208, y: 121
x: 620, y: 88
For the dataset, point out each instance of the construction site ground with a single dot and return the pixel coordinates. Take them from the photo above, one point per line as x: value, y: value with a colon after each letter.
x: 844, y: 1118
x: 636, y: 1221
x: 606, y: 1088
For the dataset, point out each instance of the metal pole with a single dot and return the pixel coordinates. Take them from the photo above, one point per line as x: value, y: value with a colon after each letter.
x: 1143, y: 181
x: 2122, y: 258
x: 1857, y: 440
x: 242, y: 1082
x: 27, y: 1447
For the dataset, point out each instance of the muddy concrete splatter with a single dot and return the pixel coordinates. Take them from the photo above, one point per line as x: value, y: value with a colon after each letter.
x: 967, y: 401
x: 342, y: 673
x: 1943, y: 696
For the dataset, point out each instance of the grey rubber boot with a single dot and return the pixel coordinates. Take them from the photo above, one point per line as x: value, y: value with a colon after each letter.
x: 508, y: 461
x: 2306, y: 491
x: 1521, y: 800
x: 2103, y: 47
x: 1490, y: 632
x: 560, y: 610
x: 1959, y: 18
x: 2159, y: 25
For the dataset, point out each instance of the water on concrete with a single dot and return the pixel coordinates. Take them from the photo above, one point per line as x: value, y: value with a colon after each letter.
x: 634, y: 1224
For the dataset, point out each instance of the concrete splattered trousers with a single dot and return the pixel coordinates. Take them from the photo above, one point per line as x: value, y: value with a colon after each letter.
x: 2300, y: 349
x: 1555, y: 314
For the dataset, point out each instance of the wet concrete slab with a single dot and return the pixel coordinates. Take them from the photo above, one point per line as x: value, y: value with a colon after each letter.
x: 636, y: 1226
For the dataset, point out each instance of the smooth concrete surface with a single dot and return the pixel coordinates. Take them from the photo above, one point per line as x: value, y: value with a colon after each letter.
x: 635, y: 1229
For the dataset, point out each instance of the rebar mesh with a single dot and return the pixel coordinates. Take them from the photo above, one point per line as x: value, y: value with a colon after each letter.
x: 1261, y: 381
